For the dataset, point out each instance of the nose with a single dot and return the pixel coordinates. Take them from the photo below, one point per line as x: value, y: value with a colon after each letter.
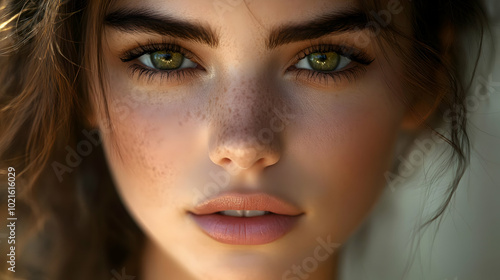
x: 244, y: 131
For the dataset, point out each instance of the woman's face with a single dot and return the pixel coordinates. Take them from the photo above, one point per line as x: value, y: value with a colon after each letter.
x: 292, y: 99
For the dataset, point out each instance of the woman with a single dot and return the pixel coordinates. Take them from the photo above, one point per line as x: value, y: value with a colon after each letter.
x: 246, y: 139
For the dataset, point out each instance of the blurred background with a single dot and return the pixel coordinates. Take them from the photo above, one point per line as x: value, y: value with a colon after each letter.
x: 466, y: 245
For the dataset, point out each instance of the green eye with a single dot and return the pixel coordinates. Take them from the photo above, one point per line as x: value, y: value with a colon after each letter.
x: 166, y: 60
x: 163, y: 60
x: 323, y: 62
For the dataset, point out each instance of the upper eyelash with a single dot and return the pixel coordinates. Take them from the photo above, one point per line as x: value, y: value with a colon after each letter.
x: 351, y: 53
x: 322, y: 76
x: 152, y: 47
x: 150, y: 73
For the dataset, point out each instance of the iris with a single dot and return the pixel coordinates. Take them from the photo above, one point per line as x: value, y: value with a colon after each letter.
x: 328, y: 61
x: 165, y: 60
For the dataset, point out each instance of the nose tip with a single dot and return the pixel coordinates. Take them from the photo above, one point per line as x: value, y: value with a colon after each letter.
x: 244, y: 155
x: 245, y: 132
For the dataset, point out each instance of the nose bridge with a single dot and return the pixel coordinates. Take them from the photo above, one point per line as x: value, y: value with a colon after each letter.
x: 241, y: 131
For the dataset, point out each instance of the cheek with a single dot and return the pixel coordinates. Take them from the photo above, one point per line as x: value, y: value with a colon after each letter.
x: 343, y: 151
x: 150, y: 145
x: 334, y: 155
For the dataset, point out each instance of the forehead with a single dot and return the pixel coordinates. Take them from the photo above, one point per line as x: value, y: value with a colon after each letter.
x: 222, y: 12
x: 246, y: 18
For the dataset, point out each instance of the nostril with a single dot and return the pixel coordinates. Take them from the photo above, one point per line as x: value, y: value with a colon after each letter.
x: 240, y: 149
x: 225, y: 161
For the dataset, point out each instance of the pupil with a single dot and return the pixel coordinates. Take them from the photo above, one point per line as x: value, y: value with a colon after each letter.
x: 164, y: 60
x: 322, y: 57
x: 324, y: 61
x: 166, y: 57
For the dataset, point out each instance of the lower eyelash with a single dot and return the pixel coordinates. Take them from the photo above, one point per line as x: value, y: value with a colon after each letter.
x: 150, y: 74
x: 324, y: 78
x: 357, y: 57
x: 315, y: 76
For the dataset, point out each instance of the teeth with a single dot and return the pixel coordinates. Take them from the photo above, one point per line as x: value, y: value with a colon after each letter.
x: 253, y: 213
x: 234, y: 213
x: 243, y: 213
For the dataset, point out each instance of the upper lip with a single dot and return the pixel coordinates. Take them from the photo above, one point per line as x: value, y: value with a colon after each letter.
x: 246, y: 201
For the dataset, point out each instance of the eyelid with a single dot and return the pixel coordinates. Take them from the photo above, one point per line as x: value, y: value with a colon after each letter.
x: 145, y: 59
x: 142, y: 70
x: 304, y: 64
x: 360, y: 58
x: 349, y: 52
x: 152, y: 47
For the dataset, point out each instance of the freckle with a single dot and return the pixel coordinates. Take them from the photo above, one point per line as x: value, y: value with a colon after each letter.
x: 187, y: 117
x: 225, y: 90
x: 180, y: 123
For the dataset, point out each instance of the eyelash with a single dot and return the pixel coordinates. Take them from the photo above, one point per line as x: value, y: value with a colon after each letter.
x: 350, y: 73
x: 149, y: 73
x: 316, y: 76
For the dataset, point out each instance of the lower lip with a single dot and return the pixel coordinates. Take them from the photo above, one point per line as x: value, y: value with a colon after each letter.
x: 245, y: 230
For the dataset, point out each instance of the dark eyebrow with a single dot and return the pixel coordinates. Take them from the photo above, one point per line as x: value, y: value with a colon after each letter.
x: 349, y: 20
x: 149, y: 21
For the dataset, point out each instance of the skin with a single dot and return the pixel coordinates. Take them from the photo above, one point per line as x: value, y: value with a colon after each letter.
x: 171, y: 135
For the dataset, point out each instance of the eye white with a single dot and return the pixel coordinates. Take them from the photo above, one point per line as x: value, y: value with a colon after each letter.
x: 146, y: 60
x: 304, y: 63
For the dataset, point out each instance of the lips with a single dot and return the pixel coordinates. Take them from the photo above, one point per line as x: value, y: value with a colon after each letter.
x: 279, y: 219
x: 239, y: 201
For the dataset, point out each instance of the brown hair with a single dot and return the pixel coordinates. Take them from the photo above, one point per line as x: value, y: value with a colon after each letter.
x: 436, y: 72
x: 79, y: 225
